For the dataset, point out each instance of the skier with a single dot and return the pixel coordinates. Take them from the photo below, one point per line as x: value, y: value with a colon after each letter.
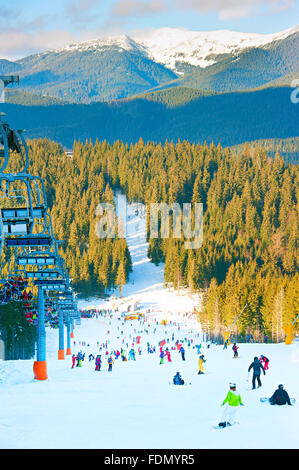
x: 225, y: 344
x: 98, y: 363
x: 177, y: 379
x: 182, y: 351
x: 233, y: 402
x: 198, y: 347
x: 257, y: 367
x: 73, y: 360
x: 280, y: 397
x: 235, y: 349
x: 110, y: 362
x: 79, y: 359
x: 123, y: 355
x: 168, y: 355
x: 162, y: 354
x: 201, y: 360
x: 132, y: 355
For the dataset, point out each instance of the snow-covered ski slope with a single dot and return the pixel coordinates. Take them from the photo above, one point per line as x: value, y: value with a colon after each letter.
x: 134, y: 406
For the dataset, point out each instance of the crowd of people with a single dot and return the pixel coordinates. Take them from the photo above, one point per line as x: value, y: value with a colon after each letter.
x: 168, y: 346
x: 12, y: 289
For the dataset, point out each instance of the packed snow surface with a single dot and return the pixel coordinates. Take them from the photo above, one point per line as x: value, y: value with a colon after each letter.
x: 135, y: 405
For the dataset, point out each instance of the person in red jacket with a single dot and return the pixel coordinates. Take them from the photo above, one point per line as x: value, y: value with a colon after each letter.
x: 73, y: 360
x: 265, y: 360
x: 98, y: 363
x: 168, y: 355
x: 235, y: 349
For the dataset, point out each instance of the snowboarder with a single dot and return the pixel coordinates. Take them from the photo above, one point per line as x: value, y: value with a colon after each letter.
x: 233, y: 402
x: 280, y: 397
x: 201, y: 360
x: 257, y: 367
x: 235, y: 349
x: 177, y: 379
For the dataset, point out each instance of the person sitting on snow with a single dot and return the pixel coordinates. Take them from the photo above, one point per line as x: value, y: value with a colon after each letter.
x: 177, y: 379
x: 280, y: 397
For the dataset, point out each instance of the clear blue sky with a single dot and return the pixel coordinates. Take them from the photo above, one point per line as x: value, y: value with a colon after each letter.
x: 31, y: 26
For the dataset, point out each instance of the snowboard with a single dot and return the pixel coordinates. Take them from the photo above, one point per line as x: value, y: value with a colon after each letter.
x: 183, y: 385
x: 227, y: 426
x: 265, y: 399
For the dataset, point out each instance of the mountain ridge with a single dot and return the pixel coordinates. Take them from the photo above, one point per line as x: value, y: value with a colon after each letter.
x: 119, y: 67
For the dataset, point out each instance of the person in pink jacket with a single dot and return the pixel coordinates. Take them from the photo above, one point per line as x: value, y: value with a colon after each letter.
x: 168, y: 355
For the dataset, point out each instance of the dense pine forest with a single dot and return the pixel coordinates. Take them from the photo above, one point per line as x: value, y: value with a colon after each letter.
x: 177, y: 114
x: 250, y: 200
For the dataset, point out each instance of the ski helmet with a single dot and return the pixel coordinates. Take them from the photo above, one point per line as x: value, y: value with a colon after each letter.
x: 280, y: 386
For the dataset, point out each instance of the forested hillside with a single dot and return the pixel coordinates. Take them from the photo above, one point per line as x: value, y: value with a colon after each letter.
x: 249, y: 253
x: 249, y: 69
x: 74, y: 188
x: 288, y: 148
x: 229, y: 118
x: 88, y: 76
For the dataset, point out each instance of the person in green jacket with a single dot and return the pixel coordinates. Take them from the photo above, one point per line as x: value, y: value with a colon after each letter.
x: 233, y: 401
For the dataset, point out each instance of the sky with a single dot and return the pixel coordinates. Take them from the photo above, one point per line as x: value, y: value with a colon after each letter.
x: 32, y: 26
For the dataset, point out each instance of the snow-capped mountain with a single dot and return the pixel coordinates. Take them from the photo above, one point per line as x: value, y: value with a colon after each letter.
x: 168, y: 45
x: 121, y: 66
x: 121, y: 41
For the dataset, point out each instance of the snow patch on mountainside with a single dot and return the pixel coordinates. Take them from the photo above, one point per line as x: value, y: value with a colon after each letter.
x: 168, y: 45
x: 122, y: 42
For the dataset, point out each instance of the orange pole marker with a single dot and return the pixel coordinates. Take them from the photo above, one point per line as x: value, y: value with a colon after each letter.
x: 40, y: 370
x: 68, y: 351
x: 60, y: 353
x: 288, y: 329
x: 72, y: 334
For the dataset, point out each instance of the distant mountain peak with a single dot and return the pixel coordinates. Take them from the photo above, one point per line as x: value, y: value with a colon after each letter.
x: 171, y: 45
x: 121, y: 41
